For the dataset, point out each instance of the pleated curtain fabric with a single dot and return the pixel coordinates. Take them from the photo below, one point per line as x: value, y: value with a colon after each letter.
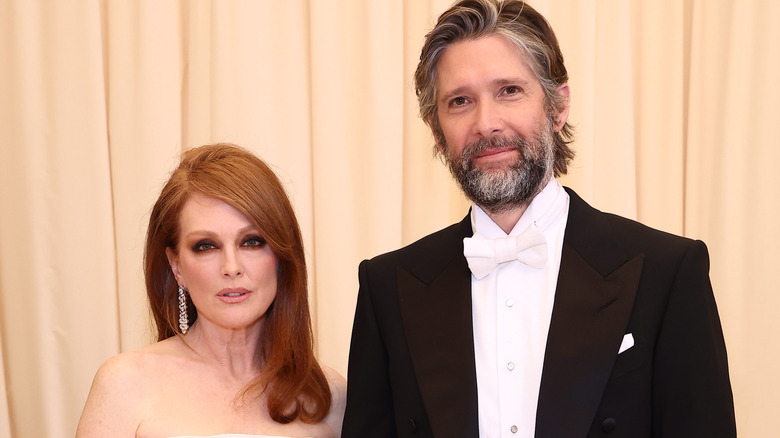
x: 673, y: 101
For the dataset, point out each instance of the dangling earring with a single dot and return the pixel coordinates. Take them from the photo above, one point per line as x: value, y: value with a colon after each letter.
x: 184, y: 322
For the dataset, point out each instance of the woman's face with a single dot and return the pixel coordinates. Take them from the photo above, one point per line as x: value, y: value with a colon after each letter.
x: 225, y: 264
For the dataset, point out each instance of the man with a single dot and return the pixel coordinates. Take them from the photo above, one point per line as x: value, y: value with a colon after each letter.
x: 537, y: 315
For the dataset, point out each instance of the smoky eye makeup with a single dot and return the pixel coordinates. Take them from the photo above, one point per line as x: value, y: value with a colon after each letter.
x: 254, y: 241
x: 203, y: 245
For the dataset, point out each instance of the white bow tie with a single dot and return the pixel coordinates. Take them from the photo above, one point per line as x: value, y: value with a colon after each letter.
x: 483, y: 255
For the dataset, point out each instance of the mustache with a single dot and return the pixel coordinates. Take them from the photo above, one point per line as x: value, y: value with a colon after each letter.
x: 500, y: 142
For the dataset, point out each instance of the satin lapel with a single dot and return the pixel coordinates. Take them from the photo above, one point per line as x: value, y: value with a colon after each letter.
x: 597, y: 284
x: 436, y: 310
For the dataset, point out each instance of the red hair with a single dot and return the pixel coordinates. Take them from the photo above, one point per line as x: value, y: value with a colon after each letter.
x: 290, y: 378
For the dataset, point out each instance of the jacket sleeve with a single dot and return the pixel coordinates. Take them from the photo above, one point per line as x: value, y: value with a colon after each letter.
x: 691, y: 388
x: 369, y: 411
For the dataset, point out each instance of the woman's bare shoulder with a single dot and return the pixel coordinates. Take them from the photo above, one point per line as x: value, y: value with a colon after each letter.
x: 119, y: 388
x: 338, y: 389
x: 335, y: 379
x: 133, y: 367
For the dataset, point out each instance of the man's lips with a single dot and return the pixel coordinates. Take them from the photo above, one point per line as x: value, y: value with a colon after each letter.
x: 494, y: 151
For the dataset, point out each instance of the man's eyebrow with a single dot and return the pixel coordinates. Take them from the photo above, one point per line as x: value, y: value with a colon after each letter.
x: 452, y: 93
x: 522, y: 83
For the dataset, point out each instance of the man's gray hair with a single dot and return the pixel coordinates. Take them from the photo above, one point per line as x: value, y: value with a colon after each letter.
x: 524, y: 28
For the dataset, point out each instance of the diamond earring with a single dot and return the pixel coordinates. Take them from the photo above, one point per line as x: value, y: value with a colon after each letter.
x: 184, y: 322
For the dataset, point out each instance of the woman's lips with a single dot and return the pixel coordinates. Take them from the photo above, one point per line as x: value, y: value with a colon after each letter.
x: 233, y: 296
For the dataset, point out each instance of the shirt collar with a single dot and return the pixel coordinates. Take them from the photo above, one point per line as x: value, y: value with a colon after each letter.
x: 543, y: 209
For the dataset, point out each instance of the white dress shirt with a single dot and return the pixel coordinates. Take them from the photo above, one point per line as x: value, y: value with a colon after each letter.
x: 512, y: 308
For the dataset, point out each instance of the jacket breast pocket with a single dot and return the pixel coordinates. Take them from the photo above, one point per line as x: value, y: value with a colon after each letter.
x: 634, y: 358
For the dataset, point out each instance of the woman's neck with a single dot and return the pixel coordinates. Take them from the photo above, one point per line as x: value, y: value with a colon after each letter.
x: 234, y: 350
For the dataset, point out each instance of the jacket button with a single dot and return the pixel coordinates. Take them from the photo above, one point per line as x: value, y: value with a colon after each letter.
x: 412, y: 426
x: 608, y: 425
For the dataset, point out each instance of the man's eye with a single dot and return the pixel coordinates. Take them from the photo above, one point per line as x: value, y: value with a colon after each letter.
x: 511, y: 90
x: 254, y: 242
x: 459, y: 101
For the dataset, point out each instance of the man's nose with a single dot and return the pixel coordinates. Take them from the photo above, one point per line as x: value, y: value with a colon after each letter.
x: 489, y: 120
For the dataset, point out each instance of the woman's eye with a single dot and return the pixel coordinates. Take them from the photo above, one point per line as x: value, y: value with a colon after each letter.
x: 203, y: 246
x: 254, y: 242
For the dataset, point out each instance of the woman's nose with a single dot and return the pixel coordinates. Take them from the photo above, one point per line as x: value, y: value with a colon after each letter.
x: 231, y: 265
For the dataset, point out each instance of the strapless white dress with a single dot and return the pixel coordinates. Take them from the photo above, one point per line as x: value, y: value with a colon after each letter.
x: 236, y: 435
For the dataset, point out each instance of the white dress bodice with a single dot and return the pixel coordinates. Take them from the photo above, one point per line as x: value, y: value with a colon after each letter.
x: 235, y: 435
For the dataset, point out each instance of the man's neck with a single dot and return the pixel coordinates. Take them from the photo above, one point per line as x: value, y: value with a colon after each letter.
x: 507, y: 219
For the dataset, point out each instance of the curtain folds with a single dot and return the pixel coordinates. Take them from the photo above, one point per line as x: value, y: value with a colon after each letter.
x: 673, y: 104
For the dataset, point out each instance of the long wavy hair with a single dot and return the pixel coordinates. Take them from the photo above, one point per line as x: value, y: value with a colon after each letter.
x: 524, y: 28
x: 290, y: 377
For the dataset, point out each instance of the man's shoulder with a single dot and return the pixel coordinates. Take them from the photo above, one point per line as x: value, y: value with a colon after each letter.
x: 585, y: 222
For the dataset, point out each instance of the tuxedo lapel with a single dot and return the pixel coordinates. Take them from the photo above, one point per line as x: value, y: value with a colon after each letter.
x: 435, y: 301
x: 596, y: 287
x: 597, y: 283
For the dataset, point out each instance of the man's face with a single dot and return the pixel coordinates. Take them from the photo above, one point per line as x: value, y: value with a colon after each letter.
x: 495, y: 133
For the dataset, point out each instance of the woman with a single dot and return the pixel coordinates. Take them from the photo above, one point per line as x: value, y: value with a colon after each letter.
x: 226, y: 282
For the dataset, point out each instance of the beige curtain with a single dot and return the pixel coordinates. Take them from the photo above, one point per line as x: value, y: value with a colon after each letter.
x: 674, y: 103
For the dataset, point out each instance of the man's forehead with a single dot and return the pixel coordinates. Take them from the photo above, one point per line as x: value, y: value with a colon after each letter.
x: 490, y: 60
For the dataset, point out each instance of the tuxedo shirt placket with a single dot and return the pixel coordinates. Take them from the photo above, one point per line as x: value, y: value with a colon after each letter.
x: 512, y: 307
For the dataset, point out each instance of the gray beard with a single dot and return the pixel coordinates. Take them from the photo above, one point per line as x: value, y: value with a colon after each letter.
x: 500, y: 189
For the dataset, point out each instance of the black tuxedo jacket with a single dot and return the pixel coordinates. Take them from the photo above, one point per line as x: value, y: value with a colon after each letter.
x: 411, y: 362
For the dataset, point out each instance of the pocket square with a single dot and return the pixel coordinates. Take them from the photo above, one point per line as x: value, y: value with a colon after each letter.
x: 628, y: 342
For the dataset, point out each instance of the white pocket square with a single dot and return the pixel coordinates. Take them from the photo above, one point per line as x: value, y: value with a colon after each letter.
x: 628, y: 342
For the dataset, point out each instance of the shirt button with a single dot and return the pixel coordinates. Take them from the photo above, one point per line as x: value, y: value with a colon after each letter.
x: 513, y: 429
x: 510, y: 302
x: 510, y: 366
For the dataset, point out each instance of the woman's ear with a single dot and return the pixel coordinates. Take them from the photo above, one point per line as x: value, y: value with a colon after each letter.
x: 173, y: 260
